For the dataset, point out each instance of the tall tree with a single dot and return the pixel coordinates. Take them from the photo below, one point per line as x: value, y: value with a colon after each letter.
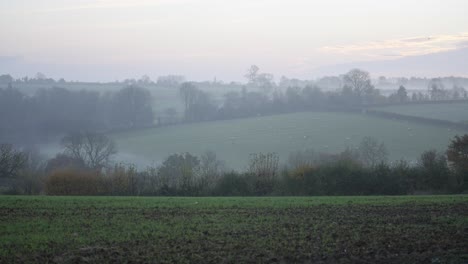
x: 360, y: 83
x: 402, y: 94
x: 188, y: 92
x: 251, y: 74
x: 11, y: 161
x: 94, y: 149
x: 132, y: 107
x: 457, y: 155
x: 372, y: 152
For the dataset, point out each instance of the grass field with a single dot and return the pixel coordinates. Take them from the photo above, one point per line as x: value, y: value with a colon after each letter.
x: 409, y: 229
x: 234, y: 140
x: 452, y: 112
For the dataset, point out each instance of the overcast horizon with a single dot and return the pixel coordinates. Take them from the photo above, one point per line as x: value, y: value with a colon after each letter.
x: 102, y: 40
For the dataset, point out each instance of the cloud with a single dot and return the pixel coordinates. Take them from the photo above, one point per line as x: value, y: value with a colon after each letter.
x: 397, y: 48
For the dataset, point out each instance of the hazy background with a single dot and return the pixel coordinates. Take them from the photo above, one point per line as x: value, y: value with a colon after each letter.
x: 103, y: 40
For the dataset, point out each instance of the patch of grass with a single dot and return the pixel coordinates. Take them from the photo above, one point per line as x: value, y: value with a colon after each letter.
x: 398, y: 229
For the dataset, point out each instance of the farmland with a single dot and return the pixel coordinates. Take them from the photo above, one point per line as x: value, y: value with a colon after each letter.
x: 399, y: 229
x: 234, y: 140
x: 455, y: 112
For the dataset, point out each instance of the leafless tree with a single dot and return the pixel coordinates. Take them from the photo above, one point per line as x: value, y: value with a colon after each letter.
x: 94, y: 149
x: 188, y: 92
x: 11, y: 161
x: 371, y: 152
x: 251, y: 74
x: 359, y: 81
x: 264, y: 169
x: 210, y: 169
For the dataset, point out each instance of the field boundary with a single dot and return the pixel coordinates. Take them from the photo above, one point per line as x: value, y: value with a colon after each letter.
x: 417, y: 119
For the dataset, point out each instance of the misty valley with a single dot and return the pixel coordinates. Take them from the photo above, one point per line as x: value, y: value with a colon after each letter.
x: 247, y: 131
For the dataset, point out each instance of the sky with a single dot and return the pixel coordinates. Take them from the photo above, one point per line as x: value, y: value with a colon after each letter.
x: 106, y: 40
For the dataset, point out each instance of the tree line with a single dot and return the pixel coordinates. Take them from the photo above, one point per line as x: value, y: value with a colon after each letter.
x: 261, y: 96
x: 55, y: 111
x: 85, y: 168
x: 51, y: 112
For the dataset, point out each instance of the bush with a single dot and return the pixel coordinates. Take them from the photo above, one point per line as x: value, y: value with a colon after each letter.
x: 75, y: 182
x: 233, y: 184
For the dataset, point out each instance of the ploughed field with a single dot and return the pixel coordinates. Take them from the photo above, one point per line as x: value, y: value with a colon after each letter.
x: 234, y: 140
x: 404, y: 229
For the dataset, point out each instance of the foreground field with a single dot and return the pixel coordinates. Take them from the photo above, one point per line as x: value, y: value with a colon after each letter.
x: 234, y: 140
x: 456, y: 112
x: 423, y: 229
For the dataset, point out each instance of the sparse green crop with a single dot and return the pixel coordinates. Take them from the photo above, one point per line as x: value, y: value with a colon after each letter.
x: 398, y: 229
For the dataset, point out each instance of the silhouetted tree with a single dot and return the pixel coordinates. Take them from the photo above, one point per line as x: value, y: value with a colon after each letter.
x: 435, y: 171
x: 402, y: 94
x: 372, y: 152
x: 359, y: 81
x: 132, y: 107
x: 179, y: 171
x: 457, y: 155
x: 94, y: 149
x: 11, y: 161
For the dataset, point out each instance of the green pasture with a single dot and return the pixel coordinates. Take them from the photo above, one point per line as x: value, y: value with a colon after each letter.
x: 234, y: 140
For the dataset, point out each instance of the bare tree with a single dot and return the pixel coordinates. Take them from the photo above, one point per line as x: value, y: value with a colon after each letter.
x: 251, y: 74
x: 371, y: 152
x: 188, y: 92
x: 359, y: 81
x: 11, y: 161
x: 264, y: 169
x: 95, y: 150
x: 210, y: 169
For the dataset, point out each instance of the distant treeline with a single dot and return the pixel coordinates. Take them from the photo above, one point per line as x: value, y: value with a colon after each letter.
x: 51, y: 112
x: 356, y: 93
x: 55, y: 111
x: 361, y: 171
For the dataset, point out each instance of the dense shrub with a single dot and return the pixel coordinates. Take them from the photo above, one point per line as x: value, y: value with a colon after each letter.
x: 75, y: 182
x: 234, y: 184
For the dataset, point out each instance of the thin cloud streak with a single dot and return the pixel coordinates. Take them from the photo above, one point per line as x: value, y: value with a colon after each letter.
x: 398, y: 48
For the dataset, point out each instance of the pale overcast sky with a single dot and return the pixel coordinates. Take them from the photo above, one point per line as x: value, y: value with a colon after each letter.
x: 117, y: 39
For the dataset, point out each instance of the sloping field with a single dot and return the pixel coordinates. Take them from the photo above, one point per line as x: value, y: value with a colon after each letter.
x: 418, y: 229
x: 234, y: 140
x: 456, y: 112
